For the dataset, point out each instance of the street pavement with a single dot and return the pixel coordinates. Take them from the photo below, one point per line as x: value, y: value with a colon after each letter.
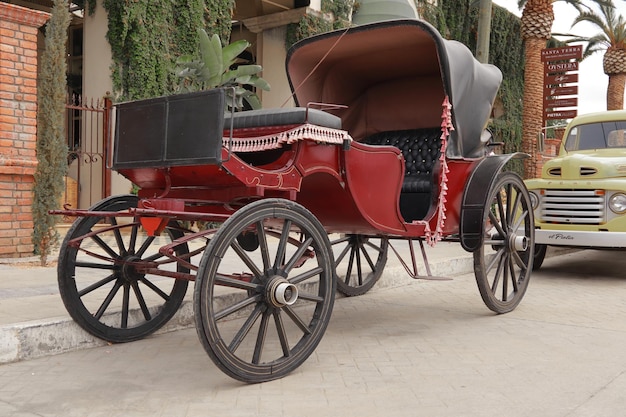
x: 406, y: 348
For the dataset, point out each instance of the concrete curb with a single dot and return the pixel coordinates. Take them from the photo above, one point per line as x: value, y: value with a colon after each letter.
x: 34, y: 339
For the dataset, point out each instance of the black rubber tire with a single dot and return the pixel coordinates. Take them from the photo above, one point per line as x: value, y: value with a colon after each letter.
x: 139, y: 303
x: 540, y: 255
x: 498, y: 263
x: 359, y: 262
x: 247, y: 333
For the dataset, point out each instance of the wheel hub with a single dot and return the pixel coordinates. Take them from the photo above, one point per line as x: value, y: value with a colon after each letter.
x: 518, y: 243
x: 129, y: 269
x: 280, y: 292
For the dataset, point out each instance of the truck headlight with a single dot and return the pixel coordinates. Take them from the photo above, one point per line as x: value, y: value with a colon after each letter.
x: 534, y: 200
x: 617, y: 203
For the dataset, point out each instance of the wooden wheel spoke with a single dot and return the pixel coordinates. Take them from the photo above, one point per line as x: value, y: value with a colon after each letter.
x: 125, y: 306
x: 520, y: 220
x: 496, y: 223
x: 265, y: 253
x: 133, y: 238
x: 145, y: 245
x: 310, y: 297
x: 367, y: 256
x: 96, y: 285
x: 306, y: 275
x: 496, y: 258
x: 105, y: 247
x: 282, y: 245
x: 118, y: 236
x: 359, y: 271
x: 500, y: 207
x: 342, y: 239
x: 141, y: 301
x: 156, y: 289
x: 245, y: 328
x: 513, y: 275
x: 93, y: 265
x: 246, y: 259
x: 342, y: 255
x: 514, y: 207
x: 297, y: 320
x: 107, y: 301
x: 350, y: 264
x: 282, y: 333
x: 238, y: 306
x: 520, y: 262
x: 297, y: 255
x: 225, y: 281
x: 260, y: 340
x: 498, y: 274
x: 505, y: 279
x: 509, y: 206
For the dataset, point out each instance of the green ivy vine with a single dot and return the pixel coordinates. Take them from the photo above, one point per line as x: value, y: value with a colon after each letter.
x: 146, y: 37
x: 309, y: 25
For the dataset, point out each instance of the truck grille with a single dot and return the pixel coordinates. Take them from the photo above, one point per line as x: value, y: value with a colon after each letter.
x: 573, y: 206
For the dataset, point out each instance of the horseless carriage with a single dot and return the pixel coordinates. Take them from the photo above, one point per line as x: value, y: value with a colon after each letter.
x: 297, y: 203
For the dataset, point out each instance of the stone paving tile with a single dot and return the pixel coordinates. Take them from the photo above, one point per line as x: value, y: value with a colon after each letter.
x: 424, y: 349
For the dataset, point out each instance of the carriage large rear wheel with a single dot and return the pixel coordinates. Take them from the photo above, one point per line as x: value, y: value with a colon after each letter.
x: 264, y: 291
x: 359, y: 262
x: 503, y: 263
x: 102, y: 278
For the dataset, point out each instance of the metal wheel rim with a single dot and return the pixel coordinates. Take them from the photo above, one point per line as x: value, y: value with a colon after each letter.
x: 260, y: 346
x: 502, y: 268
x: 135, y: 304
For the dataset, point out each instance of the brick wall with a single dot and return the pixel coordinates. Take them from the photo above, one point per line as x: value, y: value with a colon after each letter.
x: 550, y: 150
x: 18, y: 126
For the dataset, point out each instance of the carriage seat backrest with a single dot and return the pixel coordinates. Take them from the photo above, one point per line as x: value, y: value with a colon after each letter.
x: 420, y: 149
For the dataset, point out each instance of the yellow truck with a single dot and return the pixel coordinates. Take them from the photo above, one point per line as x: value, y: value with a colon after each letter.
x: 580, y: 199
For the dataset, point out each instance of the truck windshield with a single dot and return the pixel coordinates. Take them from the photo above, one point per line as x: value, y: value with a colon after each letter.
x: 599, y: 135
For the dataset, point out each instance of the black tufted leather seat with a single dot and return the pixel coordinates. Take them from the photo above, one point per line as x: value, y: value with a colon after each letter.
x: 420, y: 148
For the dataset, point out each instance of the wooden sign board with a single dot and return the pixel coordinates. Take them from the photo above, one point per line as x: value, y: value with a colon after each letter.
x: 561, y: 91
x: 560, y: 114
x: 560, y: 102
x: 560, y: 54
x: 561, y: 79
x: 552, y: 67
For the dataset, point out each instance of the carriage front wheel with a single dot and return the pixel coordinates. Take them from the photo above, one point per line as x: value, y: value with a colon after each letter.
x: 503, y: 263
x: 264, y: 290
x: 103, y: 277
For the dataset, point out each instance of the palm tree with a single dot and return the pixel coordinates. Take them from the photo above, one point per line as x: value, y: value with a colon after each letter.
x: 612, y: 39
x: 537, y: 19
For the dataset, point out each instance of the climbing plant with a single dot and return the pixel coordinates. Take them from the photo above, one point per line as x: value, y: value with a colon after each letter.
x: 146, y: 37
x: 336, y: 15
x: 51, y: 148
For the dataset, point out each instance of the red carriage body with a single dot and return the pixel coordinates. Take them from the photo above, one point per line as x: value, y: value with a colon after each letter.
x: 396, y: 151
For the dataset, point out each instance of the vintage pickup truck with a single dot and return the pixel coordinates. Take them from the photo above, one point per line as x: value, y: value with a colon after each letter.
x: 580, y: 199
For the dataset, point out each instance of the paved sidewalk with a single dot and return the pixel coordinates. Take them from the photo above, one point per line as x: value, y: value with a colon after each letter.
x: 424, y: 348
x: 34, y: 322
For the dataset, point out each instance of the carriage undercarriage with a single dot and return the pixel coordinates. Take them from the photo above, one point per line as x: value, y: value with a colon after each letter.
x: 271, y: 213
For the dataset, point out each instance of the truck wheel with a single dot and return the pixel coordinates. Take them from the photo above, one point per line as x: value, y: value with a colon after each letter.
x: 540, y: 254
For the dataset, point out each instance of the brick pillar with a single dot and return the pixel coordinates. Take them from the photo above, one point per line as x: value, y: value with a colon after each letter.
x: 550, y: 150
x: 18, y: 126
